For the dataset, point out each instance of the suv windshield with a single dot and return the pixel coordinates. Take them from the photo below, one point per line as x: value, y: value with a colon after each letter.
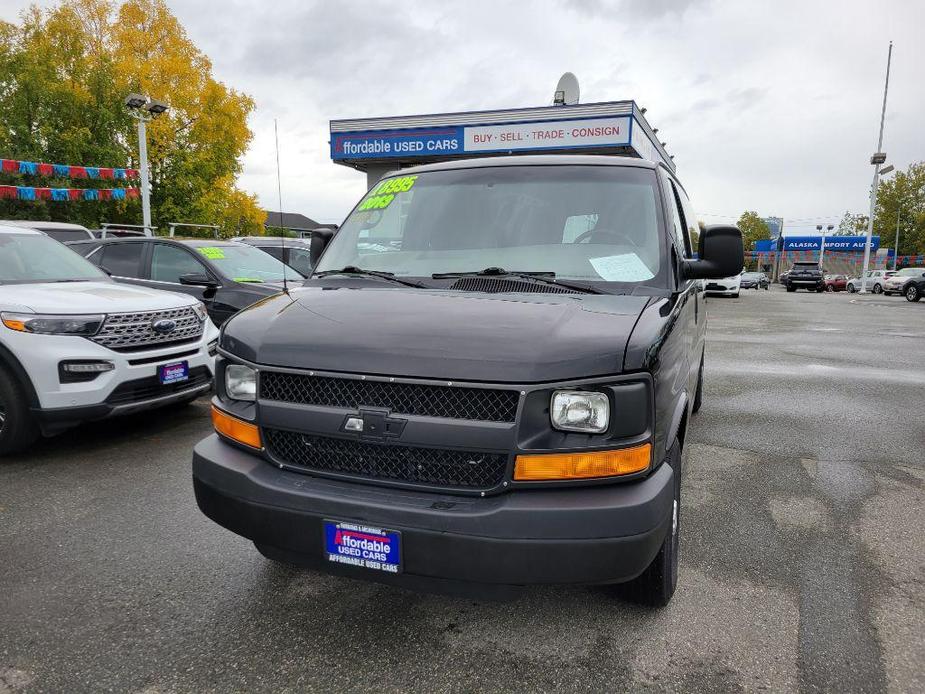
x: 244, y: 263
x: 597, y: 223
x: 28, y: 258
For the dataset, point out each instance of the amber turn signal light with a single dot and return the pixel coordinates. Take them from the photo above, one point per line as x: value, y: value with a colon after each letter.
x: 236, y: 429
x: 578, y: 466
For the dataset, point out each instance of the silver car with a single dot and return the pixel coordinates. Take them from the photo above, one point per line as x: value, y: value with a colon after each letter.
x: 875, y: 279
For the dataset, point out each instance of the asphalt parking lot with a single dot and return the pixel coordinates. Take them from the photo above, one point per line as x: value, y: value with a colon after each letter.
x: 803, y: 550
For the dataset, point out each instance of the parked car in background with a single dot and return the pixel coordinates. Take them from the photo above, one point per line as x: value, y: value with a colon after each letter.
x: 914, y: 287
x: 116, y: 232
x: 875, y: 279
x: 896, y: 283
x: 225, y: 275
x: 75, y: 346
x: 805, y: 275
x: 782, y: 277
x: 836, y: 283
x: 296, y: 253
x: 754, y: 280
x: 728, y: 286
x: 59, y: 231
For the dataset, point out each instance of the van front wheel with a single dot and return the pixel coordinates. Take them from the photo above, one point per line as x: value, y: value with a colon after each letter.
x: 656, y: 585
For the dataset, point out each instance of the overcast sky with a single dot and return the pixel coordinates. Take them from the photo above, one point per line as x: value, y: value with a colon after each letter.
x: 766, y: 106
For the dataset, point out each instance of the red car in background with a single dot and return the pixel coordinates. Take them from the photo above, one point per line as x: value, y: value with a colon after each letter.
x: 836, y: 283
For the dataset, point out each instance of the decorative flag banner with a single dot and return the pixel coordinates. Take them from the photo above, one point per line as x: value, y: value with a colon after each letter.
x: 32, y: 168
x: 65, y: 194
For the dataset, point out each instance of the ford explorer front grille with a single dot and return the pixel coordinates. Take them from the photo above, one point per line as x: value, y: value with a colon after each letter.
x: 483, y: 404
x: 433, y: 467
x: 131, y: 332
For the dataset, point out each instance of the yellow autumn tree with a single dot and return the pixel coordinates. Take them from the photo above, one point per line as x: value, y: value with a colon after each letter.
x: 67, y: 70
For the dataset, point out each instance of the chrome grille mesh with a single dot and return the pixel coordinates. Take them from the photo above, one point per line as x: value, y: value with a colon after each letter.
x: 128, y: 332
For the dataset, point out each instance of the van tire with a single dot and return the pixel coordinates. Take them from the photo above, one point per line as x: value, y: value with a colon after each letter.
x: 18, y: 428
x: 698, y: 394
x: 655, y: 586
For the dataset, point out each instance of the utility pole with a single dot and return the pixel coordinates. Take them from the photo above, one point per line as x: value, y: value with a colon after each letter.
x: 877, y: 159
x: 899, y: 211
x: 143, y: 168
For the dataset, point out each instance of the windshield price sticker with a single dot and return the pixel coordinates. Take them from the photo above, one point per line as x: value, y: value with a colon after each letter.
x: 382, y: 195
x: 377, y: 202
x: 362, y: 546
x: 212, y: 252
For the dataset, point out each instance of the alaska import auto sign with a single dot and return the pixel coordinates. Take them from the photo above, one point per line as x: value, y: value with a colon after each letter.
x: 832, y: 243
x: 539, y: 135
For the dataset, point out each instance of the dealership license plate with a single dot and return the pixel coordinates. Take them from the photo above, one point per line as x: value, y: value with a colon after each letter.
x: 355, y: 544
x: 173, y: 373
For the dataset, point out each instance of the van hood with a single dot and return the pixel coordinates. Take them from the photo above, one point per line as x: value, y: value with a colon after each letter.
x: 437, y: 334
x: 87, y: 297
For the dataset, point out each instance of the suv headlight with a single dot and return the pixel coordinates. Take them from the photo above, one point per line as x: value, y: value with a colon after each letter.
x: 240, y: 382
x: 575, y: 410
x: 46, y: 324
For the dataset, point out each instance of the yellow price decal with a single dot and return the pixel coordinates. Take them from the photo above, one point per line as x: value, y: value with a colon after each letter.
x: 212, y: 252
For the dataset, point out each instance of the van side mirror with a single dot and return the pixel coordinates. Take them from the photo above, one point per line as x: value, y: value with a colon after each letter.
x: 320, y: 239
x: 720, y: 254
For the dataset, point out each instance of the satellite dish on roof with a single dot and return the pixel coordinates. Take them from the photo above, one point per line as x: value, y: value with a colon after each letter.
x: 566, y: 91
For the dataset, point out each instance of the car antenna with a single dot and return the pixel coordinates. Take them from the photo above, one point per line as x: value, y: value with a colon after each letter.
x: 279, y: 192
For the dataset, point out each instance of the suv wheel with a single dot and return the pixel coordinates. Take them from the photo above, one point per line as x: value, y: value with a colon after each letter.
x: 878, y: 289
x: 913, y: 293
x: 851, y: 288
x: 791, y: 288
x: 657, y: 583
x: 18, y: 428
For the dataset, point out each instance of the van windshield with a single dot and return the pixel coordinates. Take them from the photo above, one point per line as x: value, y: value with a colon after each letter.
x: 592, y: 223
x: 26, y: 258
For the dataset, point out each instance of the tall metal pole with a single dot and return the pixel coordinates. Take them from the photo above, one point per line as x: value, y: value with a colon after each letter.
x: 899, y: 211
x: 876, y: 162
x: 145, y: 184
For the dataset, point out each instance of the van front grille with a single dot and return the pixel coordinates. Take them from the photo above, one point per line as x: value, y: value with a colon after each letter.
x: 482, y: 404
x: 433, y: 467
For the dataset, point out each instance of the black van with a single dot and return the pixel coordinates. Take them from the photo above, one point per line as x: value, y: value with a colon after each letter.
x: 487, y: 380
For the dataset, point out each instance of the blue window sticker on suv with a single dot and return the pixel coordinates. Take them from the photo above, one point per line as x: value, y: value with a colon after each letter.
x: 352, y: 544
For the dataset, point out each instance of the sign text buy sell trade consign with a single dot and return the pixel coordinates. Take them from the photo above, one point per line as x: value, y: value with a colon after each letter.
x: 541, y: 135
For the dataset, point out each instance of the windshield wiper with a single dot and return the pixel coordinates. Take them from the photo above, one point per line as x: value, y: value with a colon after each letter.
x: 540, y: 277
x: 353, y: 270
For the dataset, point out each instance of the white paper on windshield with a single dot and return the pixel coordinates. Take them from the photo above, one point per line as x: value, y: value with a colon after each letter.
x: 627, y: 267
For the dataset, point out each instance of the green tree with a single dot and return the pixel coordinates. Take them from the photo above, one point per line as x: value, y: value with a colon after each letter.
x: 852, y: 224
x: 753, y: 229
x: 902, y: 196
x: 64, y: 73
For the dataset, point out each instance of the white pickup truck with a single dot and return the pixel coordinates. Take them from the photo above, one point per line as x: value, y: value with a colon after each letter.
x: 76, y: 346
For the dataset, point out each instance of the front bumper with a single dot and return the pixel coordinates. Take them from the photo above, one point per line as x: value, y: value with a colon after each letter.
x: 594, y: 534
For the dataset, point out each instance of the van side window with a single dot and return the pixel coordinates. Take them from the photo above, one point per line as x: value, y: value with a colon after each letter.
x: 678, y: 230
x: 690, y: 221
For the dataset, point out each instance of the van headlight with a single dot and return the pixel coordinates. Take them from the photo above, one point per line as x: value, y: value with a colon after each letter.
x: 46, y: 324
x: 240, y: 382
x: 575, y: 410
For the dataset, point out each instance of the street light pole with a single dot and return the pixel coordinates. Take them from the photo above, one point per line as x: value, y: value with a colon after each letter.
x: 899, y: 211
x: 822, y: 247
x: 143, y: 110
x: 143, y: 168
x: 878, y: 158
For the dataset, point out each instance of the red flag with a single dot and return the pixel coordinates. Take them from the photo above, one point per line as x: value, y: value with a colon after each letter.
x: 10, y: 165
x: 7, y: 191
x: 74, y: 193
x: 131, y: 192
x: 131, y: 173
x: 106, y: 193
x: 43, y: 193
x: 105, y: 173
x: 77, y: 172
x: 46, y: 169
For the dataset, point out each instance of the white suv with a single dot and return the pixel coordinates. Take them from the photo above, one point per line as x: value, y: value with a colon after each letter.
x: 76, y: 346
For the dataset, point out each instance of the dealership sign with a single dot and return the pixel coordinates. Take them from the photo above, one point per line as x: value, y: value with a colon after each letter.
x: 507, y: 137
x: 832, y: 243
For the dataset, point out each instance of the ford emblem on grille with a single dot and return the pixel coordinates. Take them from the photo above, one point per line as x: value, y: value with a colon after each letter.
x: 164, y: 326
